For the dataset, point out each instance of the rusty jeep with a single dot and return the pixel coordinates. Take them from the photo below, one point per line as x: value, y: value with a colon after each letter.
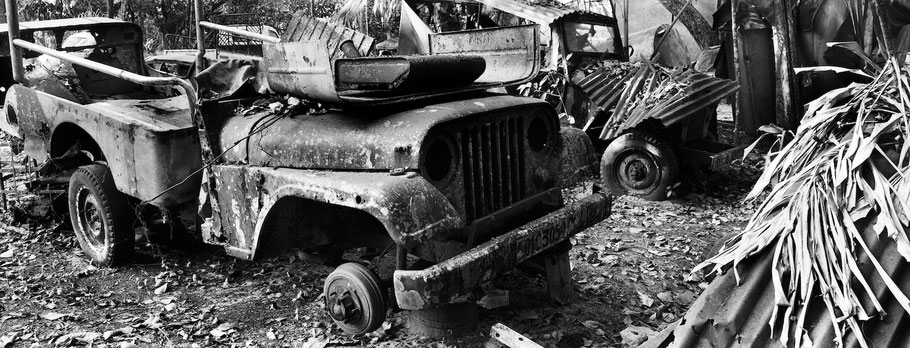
x: 409, y: 156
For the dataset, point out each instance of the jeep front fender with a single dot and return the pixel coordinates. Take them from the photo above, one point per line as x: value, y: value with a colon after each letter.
x: 410, y: 208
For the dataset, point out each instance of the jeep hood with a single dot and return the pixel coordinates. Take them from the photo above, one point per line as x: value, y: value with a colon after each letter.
x: 349, y: 140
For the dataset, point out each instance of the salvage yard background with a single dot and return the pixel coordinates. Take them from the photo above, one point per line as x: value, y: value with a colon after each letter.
x: 631, y: 271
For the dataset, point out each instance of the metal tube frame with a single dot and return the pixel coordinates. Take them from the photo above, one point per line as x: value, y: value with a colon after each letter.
x: 240, y: 32
x: 12, y: 22
x: 200, y: 39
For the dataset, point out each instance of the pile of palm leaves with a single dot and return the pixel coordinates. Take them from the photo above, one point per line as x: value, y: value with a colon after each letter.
x: 845, y: 169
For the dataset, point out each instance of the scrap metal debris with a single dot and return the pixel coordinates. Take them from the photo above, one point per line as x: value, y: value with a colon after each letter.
x: 639, y: 92
x: 814, y: 267
x: 503, y: 336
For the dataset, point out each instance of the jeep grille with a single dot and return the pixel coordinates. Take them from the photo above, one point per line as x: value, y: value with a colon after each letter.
x: 493, y: 166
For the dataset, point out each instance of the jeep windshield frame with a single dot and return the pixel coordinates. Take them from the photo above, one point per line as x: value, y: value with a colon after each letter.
x: 581, y: 35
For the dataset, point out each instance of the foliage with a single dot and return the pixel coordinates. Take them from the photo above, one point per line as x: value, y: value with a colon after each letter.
x: 161, y: 17
x: 847, y: 168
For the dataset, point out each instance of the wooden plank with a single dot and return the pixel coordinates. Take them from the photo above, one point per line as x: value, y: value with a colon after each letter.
x: 319, y: 31
x: 334, y: 39
x: 559, y: 273
x: 505, y: 336
x: 293, y: 26
x: 306, y: 31
x: 301, y: 28
x: 358, y: 40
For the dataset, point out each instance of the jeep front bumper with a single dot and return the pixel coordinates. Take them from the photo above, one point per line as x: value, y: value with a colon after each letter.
x: 455, y: 278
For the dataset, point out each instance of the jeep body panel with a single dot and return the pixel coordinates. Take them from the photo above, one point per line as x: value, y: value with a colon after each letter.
x: 352, y: 140
x: 149, y: 145
x: 409, y: 208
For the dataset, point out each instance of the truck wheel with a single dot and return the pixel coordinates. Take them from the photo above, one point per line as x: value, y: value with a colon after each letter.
x: 639, y: 164
x: 454, y: 319
x: 100, y: 215
x: 354, y: 299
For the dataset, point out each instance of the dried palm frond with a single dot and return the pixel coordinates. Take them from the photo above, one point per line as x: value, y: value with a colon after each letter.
x: 847, y: 167
x: 356, y: 13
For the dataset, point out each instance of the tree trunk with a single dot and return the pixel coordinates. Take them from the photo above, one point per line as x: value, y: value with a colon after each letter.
x: 701, y: 30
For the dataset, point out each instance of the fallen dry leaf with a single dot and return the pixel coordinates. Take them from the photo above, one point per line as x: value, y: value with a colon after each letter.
x: 54, y: 316
x: 646, y: 300
x: 633, y: 336
x: 161, y: 289
x: 8, y: 339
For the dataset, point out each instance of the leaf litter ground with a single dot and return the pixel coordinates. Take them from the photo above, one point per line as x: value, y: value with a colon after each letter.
x: 631, y: 275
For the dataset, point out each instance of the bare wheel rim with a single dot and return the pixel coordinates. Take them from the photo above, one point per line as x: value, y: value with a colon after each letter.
x: 90, y: 220
x: 637, y: 171
x: 353, y: 299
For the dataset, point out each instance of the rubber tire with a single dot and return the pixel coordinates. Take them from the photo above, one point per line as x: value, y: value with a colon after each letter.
x: 372, y: 302
x: 659, y: 152
x: 114, y: 212
x: 451, y: 320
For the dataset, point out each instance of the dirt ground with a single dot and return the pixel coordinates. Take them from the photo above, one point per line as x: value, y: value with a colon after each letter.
x: 631, y: 276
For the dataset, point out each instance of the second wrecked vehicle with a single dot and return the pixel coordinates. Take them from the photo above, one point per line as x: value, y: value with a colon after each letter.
x: 647, y: 119
x: 465, y: 181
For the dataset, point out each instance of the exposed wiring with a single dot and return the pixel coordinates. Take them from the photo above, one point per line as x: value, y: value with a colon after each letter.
x: 272, y: 119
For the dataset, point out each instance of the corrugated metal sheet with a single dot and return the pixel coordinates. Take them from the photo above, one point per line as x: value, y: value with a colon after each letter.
x: 543, y: 15
x: 731, y: 315
x: 305, y: 28
x: 537, y: 14
x: 611, y: 89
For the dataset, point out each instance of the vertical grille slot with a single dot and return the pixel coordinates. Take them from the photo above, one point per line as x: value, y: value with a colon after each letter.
x: 493, y: 166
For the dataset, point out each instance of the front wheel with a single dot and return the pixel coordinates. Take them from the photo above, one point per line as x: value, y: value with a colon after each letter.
x: 100, y: 215
x: 639, y: 164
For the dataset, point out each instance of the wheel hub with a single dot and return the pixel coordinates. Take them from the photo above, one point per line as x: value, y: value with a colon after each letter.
x: 343, y: 308
x: 90, y: 218
x: 637, y: 171
x: 354, y: 299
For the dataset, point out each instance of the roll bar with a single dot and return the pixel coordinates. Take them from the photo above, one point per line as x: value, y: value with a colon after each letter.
x: 187, y: 88
x: 17, y: 44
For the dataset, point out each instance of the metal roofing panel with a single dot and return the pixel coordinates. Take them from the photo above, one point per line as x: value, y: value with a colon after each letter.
x: 537, y: 14
x: 731, y: 315
x: 609, y: 87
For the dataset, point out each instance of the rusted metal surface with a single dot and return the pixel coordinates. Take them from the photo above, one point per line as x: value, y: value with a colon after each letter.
x: 354, y: 139
x: 409, y: 208
x: 305, y: 28
x: 301, y: 69
x: 510, y: 53
x: 491, y: 163
x: 304, y: 69
x: 699, y: 91
x: 577, y: 157
x: 408, y: 73
x: 714, y: 155
x: 454, y: 278
x: 148, y: 146
x: 728, y: 314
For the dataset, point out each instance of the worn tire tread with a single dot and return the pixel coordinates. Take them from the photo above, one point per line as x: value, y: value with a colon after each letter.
x: 115, y: 209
